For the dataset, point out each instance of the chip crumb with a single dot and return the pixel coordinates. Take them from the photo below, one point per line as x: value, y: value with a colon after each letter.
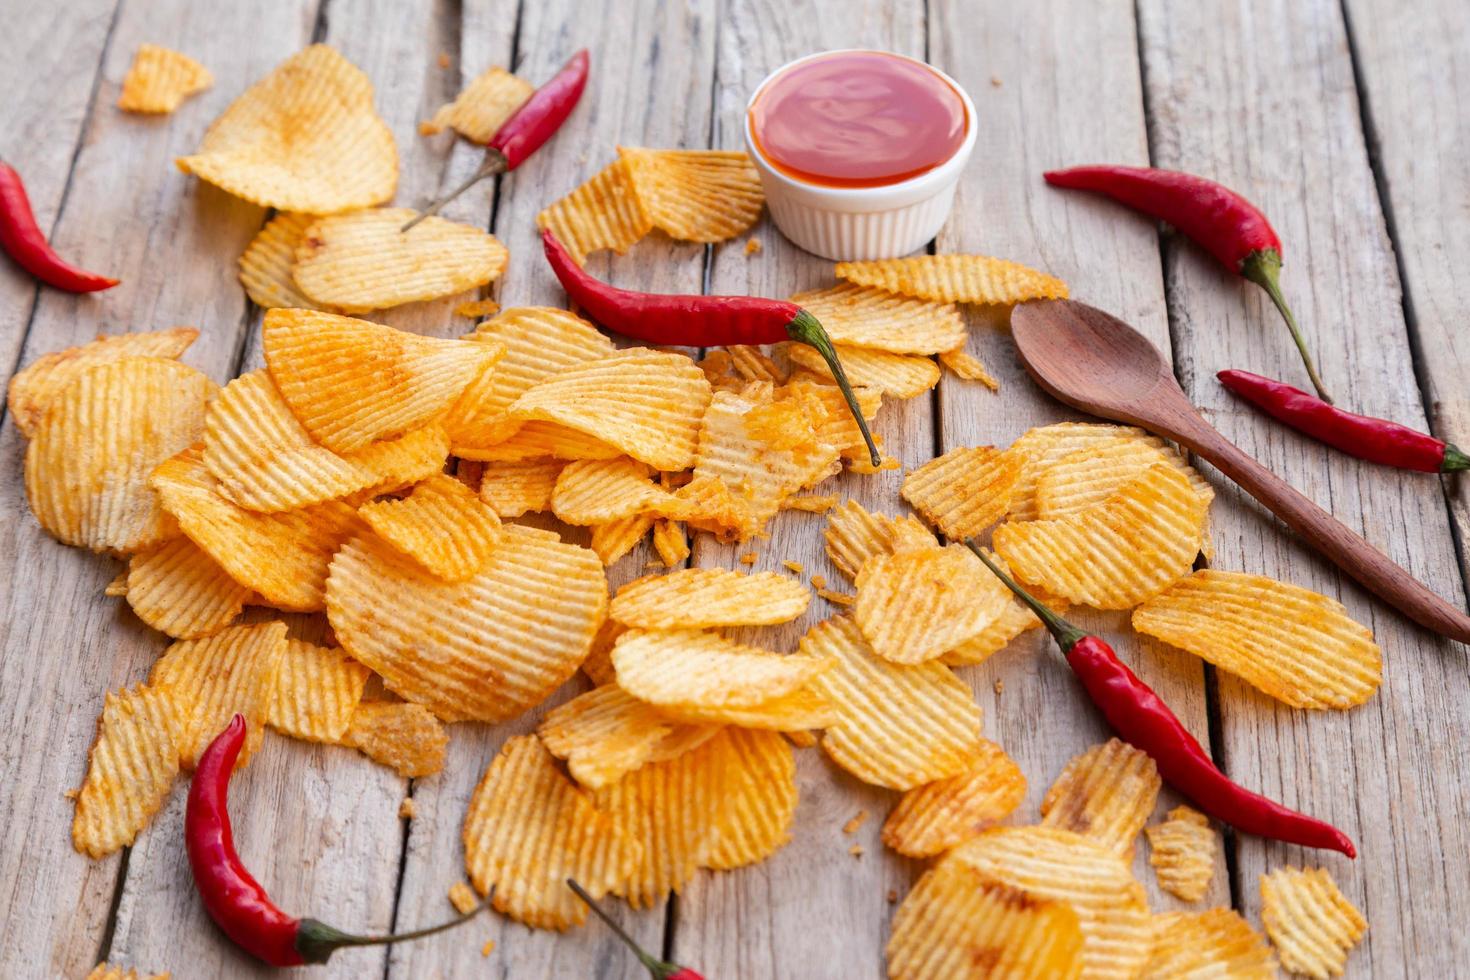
x: 794, y: 566
x: 444, y: 59
x: 812, y: 503
x: 477, y: 308
x: 748, y: 558
x: 819, y: 581
x: 892, y: 895
x: 463, y: 897
x: 995, y: 81
x: 858, y: 819
x: 71, y: 794
x: 1000, y: 686
x: 427, y: 129
x: 488, y: 948
x: 840, y: 598
x: 752, y: 246
x: 406, y: 810
x: 856, y: 850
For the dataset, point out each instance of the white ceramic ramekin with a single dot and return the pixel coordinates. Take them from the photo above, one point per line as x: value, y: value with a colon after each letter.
x: 855, y: 223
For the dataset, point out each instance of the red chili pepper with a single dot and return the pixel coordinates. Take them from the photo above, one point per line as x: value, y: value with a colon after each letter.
x: 1228, y: 226
x: 660, y: 969
x: 1143, y: 720
x: 22, y: 239
x: 527, y: 128
x: 231, y: 896
x: 700, y: 321
x: 1376, y: 440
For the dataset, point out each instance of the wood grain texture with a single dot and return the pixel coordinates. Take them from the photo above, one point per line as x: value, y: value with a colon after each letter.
x: 1269, y: 107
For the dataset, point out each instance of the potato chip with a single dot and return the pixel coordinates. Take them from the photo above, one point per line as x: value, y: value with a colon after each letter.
x: 647, y: 403
x: 1311, y: 923
x: 268, y: 264
x: 159, y: 80
x: 956, y: 923
x: 529, y: 829
x: 317, y: 690
x: 130, y: 768
x: 539, y: 441
x: 213, y: 679
x: 895, y: 375
x: 1016, y: 618
x: 966, y: 490
x: 603, y: 212
x: 118, y: 587
x: 878, y: 737
x: 914, y: 606
x: 706, y: 504
x: 757, y: 812
x: 87, y: 466
x: 598, y: 665
x: 932, y: 818
x: 615, y: 539
x: 605, y: 490
x: 1115, y: 554
x: 363, y: 260
x: 965, y: 365
x: 484, y: 649
x: 304, y: 138
x: 462, y: 896
x: 1045, y: 445
x: 1182, y: 852
x: 394, y: 464
x: 479, y: 111
x: 955, y: 279
x: 837, y: 427
x: 1294, y: 644
x: 1213, y: 943
x: 177, y: 589
x: 405, y: 737
x: 1050, y: 863
x: 671, y: 542
x: 442, y: 525
x: 283, y: 557
x: 604, y: 734
x: 749, y: 363
x: 690, y: 668
x: 520, y: 487
x: 859, y: 317
x: 352, y: 383
x: 709, y: 597
x: 854, y: 535
x: 811, y: 503
x: 696, y: 195
x: 802, y: 709
x: 1106, y: 794
x: 476, y: 308
x: 1089, y: 476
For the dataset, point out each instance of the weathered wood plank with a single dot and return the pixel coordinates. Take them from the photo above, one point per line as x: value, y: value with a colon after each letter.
x: 1269, y: 107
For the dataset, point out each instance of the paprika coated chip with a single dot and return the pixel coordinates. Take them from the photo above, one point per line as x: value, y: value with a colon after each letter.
x: 932, y: 818
x: 1212, y: 943
x: 118, y: 587
x: 87, y: 467
x: 853, y: 535
x: 914, y: 606
x: 598, y: 665
x: 1298, y: 646
x: 966, y: 490
x: 130, y: 768
x: 691, y: 668
x: 267, y: 265
x: 520, y: 487
x: 363, y: 260
x: 1046, y: 445
x: 539, y: 440
x: 352, y: 383
x: 605, y: 212
x: 757, y: 812
x: 317, y: 690
x: 709, y: 597
x: 955, y: 279
x: 615, y: 539
x: 479, y: 111
x: 895, y: 375
x: 696, y: 195
x: 802, y: 709
x: 106, y: 971
x: 442, y: 525
x: 397, y: 463
x: 304, y: 138
x: 838, y: 428
x: 484, y: 649
x: 1055, y: 864
x: 671, y: 542
x: 1114, y: 554
x: 1106, y: 794
x: 159, y: 80
x: 962, y: 364
x: 957, y: 923
x: 1089, y: 476
x: 748, y: 362
x: 405, y: 737
x: 603, y: 734
x: 856, y: 316
x: 1311, y: 923
x: 878, y: 736
x: 600, y: 491
x: 1014, y: 620
x: 529, y: 829
x: 1182, y: 851
x: 176, y: 588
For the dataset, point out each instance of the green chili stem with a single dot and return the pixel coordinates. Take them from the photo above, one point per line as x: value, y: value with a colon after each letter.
x: 1263, y: 267
x: 1062, y: 631
x: 807, y: 329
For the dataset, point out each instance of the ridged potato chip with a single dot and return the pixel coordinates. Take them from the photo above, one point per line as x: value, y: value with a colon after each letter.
x: 1213, y: 943
x: 963, y: 364
x: 213, y: 679
x: 304, y: 138
x: 598, y: 665
x: 603, y: 734
x: 878, y: 737
x: 1298, y: 646
x: 1115, y: 554
x: 914, y: 606
x: 317, y: 690
x: 1050, y: 863
x: 756, y: 815
x: 443, y: 525
x: 749, y: 363
x: 802, y: 709
x: 1106, y: 794
x: 859, y: 317
x: 283, y: 557
x: 352, y: 383
x: 363, y: 260
x: 484, y: 649
x: 932, y: 818
x: 118, y: 587
x: 955, y: 279
x: 603, y: 212
x: 484, y: 105
x: 397, y: 463
x: 601, y: 491
x: 268, y: 263
x: 1311, y: 923
x: 956, y: 923
x: 895, y: 375
x: 853, y: 535
x: 691, y: 668
x: 1089, y: 476
x: 838, y: 428
x: 706, y: 504
x: 615, y: 539
x: 405, y: 737
x: 176, y: 588
x: 159, y: 80
x: 671, y: 542
x: 1015, y: 619
x: 647, y: 403
x: 966, y: 490
x: 1045, y: 445
x: 86, y: 469
x: 529, y: 829
x: 696, y: 195
x: 521, y: 487
x: 1182, y: 851
x: 709, y: 597
x: 130, y: 768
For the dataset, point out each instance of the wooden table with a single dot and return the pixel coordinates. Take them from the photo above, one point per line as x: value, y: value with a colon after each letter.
x: 1348, y: 124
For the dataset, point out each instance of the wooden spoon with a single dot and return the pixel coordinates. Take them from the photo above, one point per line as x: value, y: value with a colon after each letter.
x: 1100, y: 365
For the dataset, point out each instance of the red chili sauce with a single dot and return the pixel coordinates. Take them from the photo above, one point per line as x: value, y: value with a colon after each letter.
x: 858, y: 119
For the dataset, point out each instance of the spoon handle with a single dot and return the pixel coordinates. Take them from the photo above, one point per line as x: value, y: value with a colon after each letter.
x: 1374, y: 570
